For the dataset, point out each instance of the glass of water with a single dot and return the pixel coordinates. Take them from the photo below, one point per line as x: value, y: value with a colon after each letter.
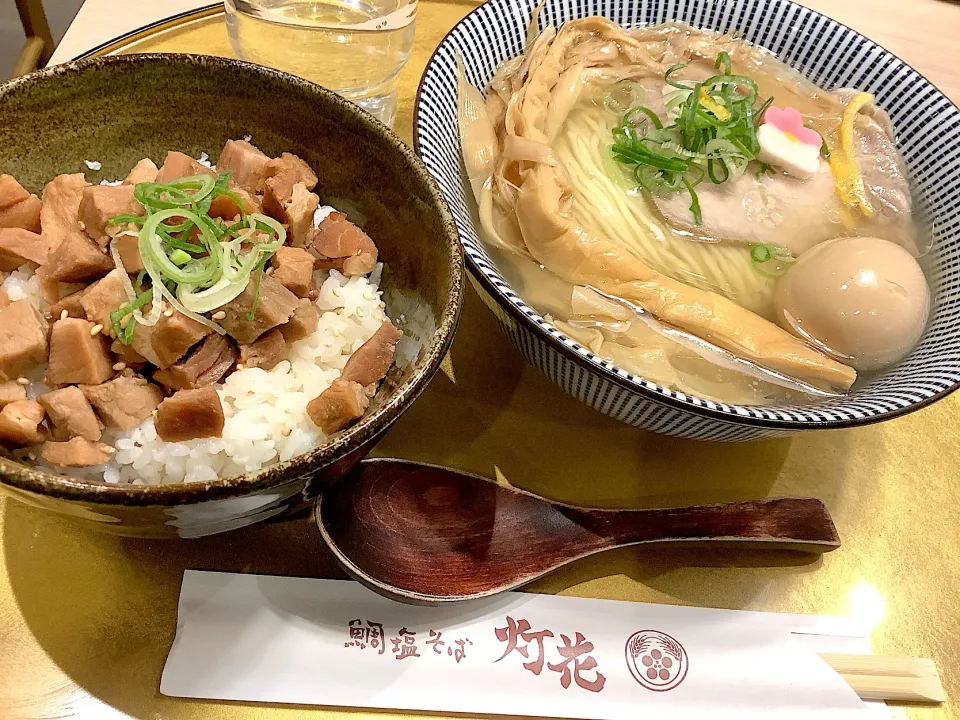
x: 354, y: 47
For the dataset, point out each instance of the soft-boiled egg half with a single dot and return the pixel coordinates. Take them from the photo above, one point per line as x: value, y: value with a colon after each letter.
x: 862, y: 300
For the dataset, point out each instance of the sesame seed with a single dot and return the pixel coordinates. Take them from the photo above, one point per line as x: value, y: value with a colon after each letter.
x: 219, y: 315
x: 368, y: 296
x: 22, y: 381
x: 120, y: 366
x: 336, y: 332
x: 64, y: 314
x: 96, y: 329
x: 270, y: 270
x: 239, y: 366
x: 168, y: 312
x: 337, y: 292
x: 286, y: 432
x: 359, y: 312
x: 382, y: 304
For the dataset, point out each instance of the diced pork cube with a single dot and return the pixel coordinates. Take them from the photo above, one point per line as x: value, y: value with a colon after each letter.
x: 126, y: 354
x: 100, y: 203
x: 177, y: 165
x: 167, y: 341
x: 20, y: 423
x: 128, y: 246
x: 124, y: 402
x: 370, y: 362
x: 275, y: 307
x: 303, y: 323
x: 207, y: 364
x: 102, y: 298
x: 61, y: 207
x: 77, y: 452
x: 11, y: 391
x: 268, y: 350
x: 23, y: 339
x: 190, y: 414
x: 19, y: 246
x: 25, y: 214
x: 299, y: 215
x: 174, y: 335
x: 292, y: 204
x: 339, y: 239
x: 246, y: 162
x: 77, y: 259
x: 71, y: 414
x: 292, y: 163
x: 70, y: 303
x: 338, y: 406
x: 143, y: 171
x: 293, y: 268
x: 278, y: 192
x: 11, y: 192
x: 53, y: 291
x: 77, y: 354
x: 226, y: 207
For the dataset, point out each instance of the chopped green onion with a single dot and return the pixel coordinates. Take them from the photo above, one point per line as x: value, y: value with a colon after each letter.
x: 762, y: 169
x: 124, y: 331
x: 713, y: 135
x: 179, y: 257
x: 673, y: 83
x: 258, y: 276
x: 125, y: 219
x: 758, y: 117
x: 159, y: 265
x: 723, y: 58
x: 694, y: 203
x: 824, y: 148
x: 760, y: 253
x: 236, y: 267
x: 628, y: 118
x: 770, y: 260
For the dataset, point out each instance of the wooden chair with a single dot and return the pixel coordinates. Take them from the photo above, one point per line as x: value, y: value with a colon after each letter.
x: 39, y: 43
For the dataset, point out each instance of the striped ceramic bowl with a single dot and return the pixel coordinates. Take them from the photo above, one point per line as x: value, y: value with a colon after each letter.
x: 830, y: 54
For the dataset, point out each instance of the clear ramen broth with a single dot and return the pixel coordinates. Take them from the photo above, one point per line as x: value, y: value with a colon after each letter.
x: 688, y: 207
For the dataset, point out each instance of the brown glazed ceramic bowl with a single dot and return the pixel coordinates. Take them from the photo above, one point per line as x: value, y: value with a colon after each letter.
x: 118, y: 110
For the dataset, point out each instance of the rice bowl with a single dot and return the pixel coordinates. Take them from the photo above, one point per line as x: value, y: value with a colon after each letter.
x: 363, y: 168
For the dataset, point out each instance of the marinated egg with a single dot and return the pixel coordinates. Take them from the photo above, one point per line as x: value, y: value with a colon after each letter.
x: 862, y: 300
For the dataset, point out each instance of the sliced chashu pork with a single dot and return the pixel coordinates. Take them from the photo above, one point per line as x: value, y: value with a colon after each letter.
x: 798, y: 214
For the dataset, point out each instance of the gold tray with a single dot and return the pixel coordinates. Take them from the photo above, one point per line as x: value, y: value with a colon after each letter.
x: 86, y: 620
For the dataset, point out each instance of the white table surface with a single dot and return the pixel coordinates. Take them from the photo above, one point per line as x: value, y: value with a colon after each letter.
x: 101, y: 20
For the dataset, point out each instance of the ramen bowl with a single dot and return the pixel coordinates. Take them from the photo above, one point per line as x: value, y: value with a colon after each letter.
x: 118, y: 110
x: 826, y: 52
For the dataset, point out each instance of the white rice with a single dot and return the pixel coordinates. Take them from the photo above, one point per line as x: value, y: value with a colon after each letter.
x: 265, y: 411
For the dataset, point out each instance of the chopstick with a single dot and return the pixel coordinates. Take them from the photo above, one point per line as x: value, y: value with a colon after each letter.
x: 875, y: 677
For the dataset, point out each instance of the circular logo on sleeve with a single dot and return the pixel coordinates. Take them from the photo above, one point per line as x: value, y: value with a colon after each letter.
x: 656, y: 660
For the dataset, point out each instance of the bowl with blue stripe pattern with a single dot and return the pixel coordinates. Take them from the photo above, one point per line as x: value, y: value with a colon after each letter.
x: 828, y: 53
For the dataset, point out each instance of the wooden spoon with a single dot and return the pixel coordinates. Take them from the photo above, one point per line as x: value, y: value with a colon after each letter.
x: 426, y: 534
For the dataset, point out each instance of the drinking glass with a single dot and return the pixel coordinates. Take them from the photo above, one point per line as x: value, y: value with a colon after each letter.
x: 354, y: 47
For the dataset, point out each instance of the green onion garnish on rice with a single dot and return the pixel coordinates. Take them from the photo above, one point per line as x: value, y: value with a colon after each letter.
x: 194, y: 261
